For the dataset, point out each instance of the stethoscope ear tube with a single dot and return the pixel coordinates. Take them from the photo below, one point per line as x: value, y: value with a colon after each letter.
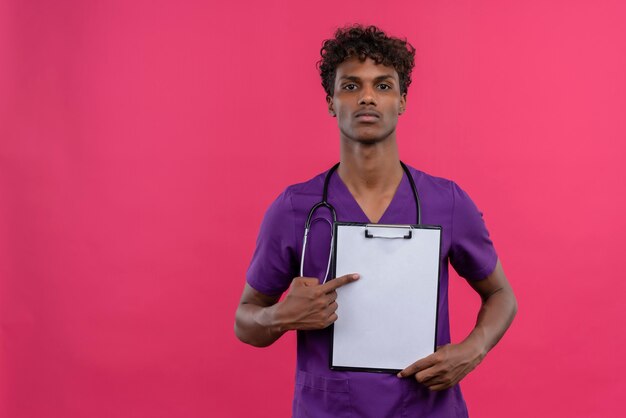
x: 307, y: 228
x: 418, y: 206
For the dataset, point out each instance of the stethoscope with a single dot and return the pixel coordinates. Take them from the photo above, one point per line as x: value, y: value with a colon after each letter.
x: 324, y: 203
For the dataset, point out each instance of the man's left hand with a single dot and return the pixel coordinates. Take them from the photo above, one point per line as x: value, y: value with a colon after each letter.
x: 445, y: 367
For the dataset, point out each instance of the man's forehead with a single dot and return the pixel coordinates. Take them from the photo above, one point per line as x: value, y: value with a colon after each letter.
x: 353, y: 68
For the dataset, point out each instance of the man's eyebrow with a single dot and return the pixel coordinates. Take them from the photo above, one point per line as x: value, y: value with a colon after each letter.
x: 377, y: 79
x: 385, y: 77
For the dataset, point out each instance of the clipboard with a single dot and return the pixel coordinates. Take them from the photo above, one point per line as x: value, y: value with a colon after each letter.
x: 388, y: 318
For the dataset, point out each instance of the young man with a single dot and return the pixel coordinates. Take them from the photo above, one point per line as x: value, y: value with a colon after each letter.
x: 366, y: 75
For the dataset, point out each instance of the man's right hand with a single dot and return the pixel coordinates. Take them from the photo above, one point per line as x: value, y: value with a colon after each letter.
x: 309, y: 305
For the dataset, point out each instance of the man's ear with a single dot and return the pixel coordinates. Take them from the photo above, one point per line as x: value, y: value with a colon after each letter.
x: 402, y: 104
x: 331, y: 106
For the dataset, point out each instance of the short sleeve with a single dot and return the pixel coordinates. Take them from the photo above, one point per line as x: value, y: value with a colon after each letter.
x: 273, y: 264
x: 471, y: 252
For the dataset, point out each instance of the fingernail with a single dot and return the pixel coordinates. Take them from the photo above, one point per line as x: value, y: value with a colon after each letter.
x: 355, y: 276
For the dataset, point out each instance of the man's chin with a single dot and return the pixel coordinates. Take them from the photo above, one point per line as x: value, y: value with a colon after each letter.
x: 369, y: 139
x: 367, y: 136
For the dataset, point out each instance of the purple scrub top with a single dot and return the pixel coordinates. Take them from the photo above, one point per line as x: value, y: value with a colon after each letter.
x: 320, y: 391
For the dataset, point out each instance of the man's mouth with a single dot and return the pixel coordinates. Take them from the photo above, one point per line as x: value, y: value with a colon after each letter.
x: 367, y: 116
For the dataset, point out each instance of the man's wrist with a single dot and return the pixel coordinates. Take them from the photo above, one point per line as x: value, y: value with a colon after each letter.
x: 477, y: 344
x: 271, y: 319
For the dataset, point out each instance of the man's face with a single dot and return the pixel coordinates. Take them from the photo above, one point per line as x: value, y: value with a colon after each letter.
x: 366, y: 101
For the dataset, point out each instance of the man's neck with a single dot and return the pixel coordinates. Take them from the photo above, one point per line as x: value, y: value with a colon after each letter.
x: 373, y: 168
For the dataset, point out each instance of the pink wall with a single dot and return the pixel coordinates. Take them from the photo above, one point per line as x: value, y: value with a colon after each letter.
x: 140, y: 143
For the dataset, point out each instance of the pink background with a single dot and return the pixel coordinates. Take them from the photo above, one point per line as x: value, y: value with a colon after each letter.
x: 141, y: 142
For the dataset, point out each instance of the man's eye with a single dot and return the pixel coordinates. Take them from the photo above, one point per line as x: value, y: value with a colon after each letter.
x: 384, y: 86
x: 350, y: 87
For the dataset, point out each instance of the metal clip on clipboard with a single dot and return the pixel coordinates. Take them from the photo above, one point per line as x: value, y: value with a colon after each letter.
x: 401, y: 229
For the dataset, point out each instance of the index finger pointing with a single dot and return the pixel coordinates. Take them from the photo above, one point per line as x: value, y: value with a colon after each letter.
x: 419, y: 365
x: 338, y: 282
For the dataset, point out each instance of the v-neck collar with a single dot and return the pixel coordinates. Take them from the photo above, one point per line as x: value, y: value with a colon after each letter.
x: 351, y: 211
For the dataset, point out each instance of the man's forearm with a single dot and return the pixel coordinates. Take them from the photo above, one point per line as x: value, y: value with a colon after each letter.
x: 494, y: 318
x: 255, y: 325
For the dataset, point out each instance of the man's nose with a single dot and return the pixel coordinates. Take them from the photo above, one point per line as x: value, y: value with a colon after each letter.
x: 368, y: 97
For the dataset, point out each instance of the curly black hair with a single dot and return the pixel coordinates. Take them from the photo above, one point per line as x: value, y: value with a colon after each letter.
x: 365, y: 42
